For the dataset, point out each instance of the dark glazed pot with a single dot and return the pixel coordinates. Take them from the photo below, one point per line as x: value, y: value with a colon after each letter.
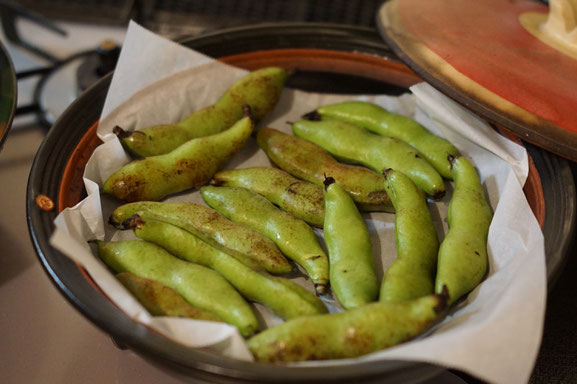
x: 329, y: 58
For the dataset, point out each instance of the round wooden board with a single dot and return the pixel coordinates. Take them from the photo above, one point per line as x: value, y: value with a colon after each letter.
x: 479, y: 54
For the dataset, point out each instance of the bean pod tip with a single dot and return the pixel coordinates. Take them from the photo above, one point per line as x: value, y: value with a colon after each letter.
x: 328, y: 181
x: 123, y: 134
x: 443, y: 300
x: 438, y: 195
x: 216, y: 182
x: 133, y: 222
x: 321, y: 289
x: 386, y: 172
x: 115, y: 223
x: 247, y: 111
x: 312, y: 116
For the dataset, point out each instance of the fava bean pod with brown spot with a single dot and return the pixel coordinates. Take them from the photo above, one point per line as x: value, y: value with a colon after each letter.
x: 463, y: 259
x: 188, y: 166
x: 260, y: 90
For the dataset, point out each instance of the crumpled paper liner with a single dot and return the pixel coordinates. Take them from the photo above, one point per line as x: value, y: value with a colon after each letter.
x: 494, y: 334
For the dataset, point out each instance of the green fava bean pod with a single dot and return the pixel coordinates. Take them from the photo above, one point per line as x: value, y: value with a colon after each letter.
x: 189, y: 166
x: 294, y: 237
x: 378, y: 120
x: 282, y: 296
x: 463, y: 259
x: 307, y: 161
x: 260, y: 90
x: 412, y: 274
x: 354, y: 144
x: 302, y: 199
x: 353, y: 333
x: 240, y: 241
x: 200, y: 286
x: 352, y: 266
x: 160, y: 300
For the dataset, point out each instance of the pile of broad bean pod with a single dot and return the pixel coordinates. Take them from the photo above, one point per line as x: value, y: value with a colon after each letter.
x: 206, y: 262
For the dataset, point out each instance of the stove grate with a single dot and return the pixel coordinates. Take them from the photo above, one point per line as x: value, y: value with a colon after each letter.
x: 183, y: 17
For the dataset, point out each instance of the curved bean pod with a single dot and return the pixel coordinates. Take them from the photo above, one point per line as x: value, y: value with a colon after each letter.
x: 199, y: 285
x: 235, y: 239
x: 160, y: 300
x: 463, y: 253
x: 353, y: 333
x: 307, y: 161
x: 258, y: 286
x: 293, y: 236
x: 378, y: 120
x: 188, y: 166
x: 412, y: 274
x: 352, y: 266
x: 260, y: 89
x: 301, y: 199
x: 355, y: 144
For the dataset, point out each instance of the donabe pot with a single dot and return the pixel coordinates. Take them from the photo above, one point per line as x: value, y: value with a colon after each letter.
x: 328, y: 58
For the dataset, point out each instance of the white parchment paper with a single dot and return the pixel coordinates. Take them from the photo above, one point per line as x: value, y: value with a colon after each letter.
x: 495, y: 334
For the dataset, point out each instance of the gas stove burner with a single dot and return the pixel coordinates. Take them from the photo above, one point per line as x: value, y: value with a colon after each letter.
x: 57, y: 89
x: 97, y: 64
x: 60, y: 81
x: 62, y: 85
